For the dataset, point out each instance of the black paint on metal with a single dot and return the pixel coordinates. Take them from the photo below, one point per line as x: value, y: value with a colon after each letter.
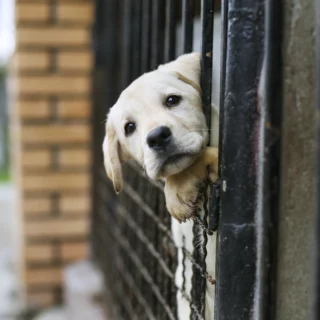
x: 214, y: 208
x: 136, y: 38
x: 188, y: 9
x: 103, y: 89
x: 223, y: 67
x: 127, y: 45
x: 207, y: 10
x: 207, y: 13
x: 271, y: 118
x: 170, y: 34
x: 236, y: 245
x: 146, y: 28
x: 200, y: 228
x: 158, y: 32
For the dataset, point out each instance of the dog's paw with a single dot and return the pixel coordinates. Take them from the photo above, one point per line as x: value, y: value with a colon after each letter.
x: 182, y: 197
x: 183, y: 191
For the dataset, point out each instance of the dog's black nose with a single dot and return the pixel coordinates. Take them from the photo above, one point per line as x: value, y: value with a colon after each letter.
x: 159, y: 138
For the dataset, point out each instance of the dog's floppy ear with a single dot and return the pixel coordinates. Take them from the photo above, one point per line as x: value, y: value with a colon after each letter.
x: 111, y: 152
x: 186, y: 68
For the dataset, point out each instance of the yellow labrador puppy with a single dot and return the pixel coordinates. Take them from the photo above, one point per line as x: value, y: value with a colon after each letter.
x: 158, y: 121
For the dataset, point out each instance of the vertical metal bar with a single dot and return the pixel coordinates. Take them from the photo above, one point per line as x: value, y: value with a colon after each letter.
x: 207, y: 9
x: 207, y: 12
x: 102, y: 60
x: 198, y: 288
x: 236, y: 245
x: 223, y: 66
x: 99, y: 28
x: 200, y: 253
x: 187, y: 25
x: 106, y: 81
x: 269, y: 159
x: 127, y: 74
x: 136, y: 43
x: 316, y: 292
x: 214, y: 203
x: 170, y: 36
x: 158, y: 18
x: 146, y: 30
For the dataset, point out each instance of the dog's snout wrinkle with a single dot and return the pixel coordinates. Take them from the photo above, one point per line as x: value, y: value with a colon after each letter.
x: 159, y: 138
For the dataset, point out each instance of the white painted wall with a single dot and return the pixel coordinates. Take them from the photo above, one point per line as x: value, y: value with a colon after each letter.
x: 7, y: 30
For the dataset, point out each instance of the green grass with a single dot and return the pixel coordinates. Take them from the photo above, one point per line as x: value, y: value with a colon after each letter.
x: 4, y: 176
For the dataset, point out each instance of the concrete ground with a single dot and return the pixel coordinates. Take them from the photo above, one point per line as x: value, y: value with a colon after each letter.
x: 9, y: 290
x: 10, y: 306
x: 54, y: 314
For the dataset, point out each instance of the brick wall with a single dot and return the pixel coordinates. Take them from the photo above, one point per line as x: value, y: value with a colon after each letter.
x: 52, y: 139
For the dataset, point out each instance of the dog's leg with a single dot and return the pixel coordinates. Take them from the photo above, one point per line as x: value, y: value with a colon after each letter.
x: 182, y: 190
x: 210, y: 158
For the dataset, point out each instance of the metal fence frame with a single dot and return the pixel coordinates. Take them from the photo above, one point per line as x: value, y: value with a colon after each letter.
x: 243, y: 204
x: 250, y: 160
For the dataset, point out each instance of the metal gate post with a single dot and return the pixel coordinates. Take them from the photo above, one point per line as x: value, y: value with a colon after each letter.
x: 270, y: 153
x: 236, y: 247
x: 250, y: 160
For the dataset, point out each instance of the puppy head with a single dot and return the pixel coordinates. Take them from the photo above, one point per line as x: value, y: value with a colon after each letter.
x: 158, y: 121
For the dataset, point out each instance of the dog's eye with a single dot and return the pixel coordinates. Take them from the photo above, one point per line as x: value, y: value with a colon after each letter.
x: 172, y: 101
x: 129, y: 128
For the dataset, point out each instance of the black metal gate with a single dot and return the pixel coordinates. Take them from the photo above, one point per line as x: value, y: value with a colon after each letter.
x: 131, y: 233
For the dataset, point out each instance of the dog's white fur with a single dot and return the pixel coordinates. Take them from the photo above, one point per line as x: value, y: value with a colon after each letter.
x: 184, y: 163
x: 141, y: 102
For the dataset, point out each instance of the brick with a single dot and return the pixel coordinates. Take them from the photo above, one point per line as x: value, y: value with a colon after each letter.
x: 32, y: 12
x: 74, y: 157
x: 74, y: 109
x: 54, y: 84
x: 56, y: 228
x: 41, y: 299
x: 39, y: 253
x: 74, y: 61
x: 75, y: 12
x: 32, y: 109
x: 56, y: 182
x: 37, y: 206
x: 79, y: 203
x: 45, y: 276
x: 32, y: 61
x: 55, y: 133
x: 37, y: 159
x: 55, y: 36
x: 74, y: 251
x: 70, y: 38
